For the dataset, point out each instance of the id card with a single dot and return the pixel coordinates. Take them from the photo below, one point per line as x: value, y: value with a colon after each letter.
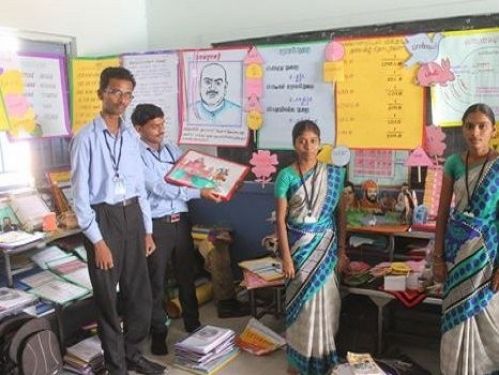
x: 309, y: 220
x: 119, y: 187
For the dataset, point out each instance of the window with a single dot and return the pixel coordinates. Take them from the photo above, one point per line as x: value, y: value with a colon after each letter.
x: 23, y: 162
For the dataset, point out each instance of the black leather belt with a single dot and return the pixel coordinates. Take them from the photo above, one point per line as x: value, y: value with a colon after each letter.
x: 173, y: 218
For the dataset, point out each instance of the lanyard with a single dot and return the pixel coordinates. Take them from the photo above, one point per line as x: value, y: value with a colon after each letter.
x: 470, y: 197
x: 309, y: 200
x: 158, y: 158
x: 112, y: 155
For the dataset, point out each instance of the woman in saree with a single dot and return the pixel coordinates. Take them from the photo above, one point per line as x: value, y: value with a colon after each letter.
x: 465, y: 254
x: 312, y: 244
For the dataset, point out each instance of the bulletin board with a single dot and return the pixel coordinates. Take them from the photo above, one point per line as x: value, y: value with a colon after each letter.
x: 454, y: 139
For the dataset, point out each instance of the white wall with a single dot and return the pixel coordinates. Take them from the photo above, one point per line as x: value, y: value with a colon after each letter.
x: 101, y: 27
x: 197, y: 23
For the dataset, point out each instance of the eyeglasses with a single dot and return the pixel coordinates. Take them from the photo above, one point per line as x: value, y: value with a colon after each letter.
x: 118, y: 94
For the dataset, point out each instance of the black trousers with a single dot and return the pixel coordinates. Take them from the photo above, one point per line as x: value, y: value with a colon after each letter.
x: 122, y: 229
x: 173, y: 241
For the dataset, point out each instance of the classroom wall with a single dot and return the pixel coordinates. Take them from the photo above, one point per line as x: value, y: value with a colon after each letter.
x: 101, y: 27
x: 196, y: 24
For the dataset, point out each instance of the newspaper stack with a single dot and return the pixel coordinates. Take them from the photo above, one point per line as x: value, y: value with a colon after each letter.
x: 258, y: 339
x: 85, y: 357
x: 206, y: 351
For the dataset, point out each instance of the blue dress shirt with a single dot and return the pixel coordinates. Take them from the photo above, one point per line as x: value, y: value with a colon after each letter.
x: 164, y: 198
x: 94, y: 153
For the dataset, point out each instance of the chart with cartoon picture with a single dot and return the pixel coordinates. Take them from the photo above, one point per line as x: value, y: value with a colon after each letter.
x: 203, y: 171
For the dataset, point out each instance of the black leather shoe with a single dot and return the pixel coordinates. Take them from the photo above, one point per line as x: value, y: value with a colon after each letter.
x: 232, y: 308
x: 142, y: 365
x: 158, y: 343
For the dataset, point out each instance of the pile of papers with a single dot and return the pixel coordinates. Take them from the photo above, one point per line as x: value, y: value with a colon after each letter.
x: 363, y: 364
x: 267, y: 268
x: 206, y: 351
x: 61, y: 278
x: 85, y: 357
x: 258, y: 339
x: 17, y: 238
x: 13, y: 301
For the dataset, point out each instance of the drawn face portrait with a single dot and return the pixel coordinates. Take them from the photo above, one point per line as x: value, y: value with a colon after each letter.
x: 213, y: 85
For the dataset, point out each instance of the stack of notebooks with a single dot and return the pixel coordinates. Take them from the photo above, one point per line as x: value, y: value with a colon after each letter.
x: 85, y: 357
x: 262, y: 272
x: 206, y: 351
x: 13, y: 301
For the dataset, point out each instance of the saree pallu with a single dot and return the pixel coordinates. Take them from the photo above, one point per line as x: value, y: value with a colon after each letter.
x: 312, y: 297
x: 470, y: 321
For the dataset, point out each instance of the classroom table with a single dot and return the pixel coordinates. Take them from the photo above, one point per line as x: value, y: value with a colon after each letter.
x: 381, y: 299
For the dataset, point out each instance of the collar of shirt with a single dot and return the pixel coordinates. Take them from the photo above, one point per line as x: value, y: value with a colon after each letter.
x: 100, y: 125
x: 211, y: 113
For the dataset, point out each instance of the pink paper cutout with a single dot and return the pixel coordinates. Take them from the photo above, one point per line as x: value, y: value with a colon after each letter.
x: 431, y: 73
x: 335, y: 51
x: 253, y: 87
x: 263, y: 165
x: 434, y: 144
x: 419, y: 158
x: 253, y: 104
x: 253, y: 57
x: 16, y: 105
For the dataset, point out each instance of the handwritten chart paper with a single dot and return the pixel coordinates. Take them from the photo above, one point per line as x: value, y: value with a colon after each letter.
x: 474, y: 58
x: 212, y: 98
x: 294, y: 90
x: 47, y: 92
x: 157, y: 83
x: 378, y: 103
x: 84, y: 81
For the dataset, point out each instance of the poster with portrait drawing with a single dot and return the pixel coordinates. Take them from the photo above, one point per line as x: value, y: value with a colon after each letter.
x: 212, y: 97
x: 203, y: 171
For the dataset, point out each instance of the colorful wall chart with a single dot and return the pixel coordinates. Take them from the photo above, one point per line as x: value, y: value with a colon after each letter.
x: 383, y: 166
x: 20, y: 117
x: 378, y: 103
x: 156, y: 74
x: 84, y: 82
x: 474, y: 58
x: 212, y: 98
x: 294, y: 90
x: 45, y: 81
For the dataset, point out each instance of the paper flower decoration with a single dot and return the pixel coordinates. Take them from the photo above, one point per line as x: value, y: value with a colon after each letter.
x: 263, y: 163
x: 434, y: 144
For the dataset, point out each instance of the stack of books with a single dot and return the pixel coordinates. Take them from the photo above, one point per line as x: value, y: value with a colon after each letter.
x: 85, y: 357
x: 206, y: 351
x: 13, y: 301
x: 262, y: 272
x: 258, y: 339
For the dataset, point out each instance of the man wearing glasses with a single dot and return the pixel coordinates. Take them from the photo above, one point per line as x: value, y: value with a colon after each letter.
x: 112, y: 210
